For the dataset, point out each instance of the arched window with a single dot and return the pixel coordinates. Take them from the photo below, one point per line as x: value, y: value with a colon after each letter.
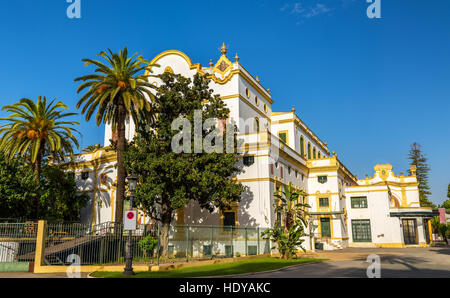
x: 256, y: 127
x: 309, y: 151
x: 318, y: 154
x: 302, y: 147
x: 314, y: 152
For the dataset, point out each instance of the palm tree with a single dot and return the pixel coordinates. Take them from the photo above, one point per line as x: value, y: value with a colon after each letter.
x: 117, y: 90
x: 35, y: 130
x: 290, y: 207
x: 91, y: 148
x: 290, y: 226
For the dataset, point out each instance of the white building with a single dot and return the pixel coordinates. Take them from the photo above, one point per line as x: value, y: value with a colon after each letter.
x: 279, y: 149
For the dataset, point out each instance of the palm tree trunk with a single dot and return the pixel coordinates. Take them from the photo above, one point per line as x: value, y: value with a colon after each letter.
x: 37, y: 177
x: 121, y: 173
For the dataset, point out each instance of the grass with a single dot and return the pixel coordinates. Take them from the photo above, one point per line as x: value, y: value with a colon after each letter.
x: 239, y: 267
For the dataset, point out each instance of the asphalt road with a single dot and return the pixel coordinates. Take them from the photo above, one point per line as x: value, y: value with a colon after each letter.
x: 427, y: 262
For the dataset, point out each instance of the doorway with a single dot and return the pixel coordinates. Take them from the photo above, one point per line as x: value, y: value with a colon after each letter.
x: 410, y: 231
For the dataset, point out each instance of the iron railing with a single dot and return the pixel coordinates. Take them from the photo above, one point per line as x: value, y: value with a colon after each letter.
x: 17, y: 242
x: 106, y: 243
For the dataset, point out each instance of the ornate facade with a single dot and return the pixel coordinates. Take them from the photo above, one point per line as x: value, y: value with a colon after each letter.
x: 279, y: 148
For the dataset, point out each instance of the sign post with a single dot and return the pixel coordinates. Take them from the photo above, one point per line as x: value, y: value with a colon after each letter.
x: 129, y: 223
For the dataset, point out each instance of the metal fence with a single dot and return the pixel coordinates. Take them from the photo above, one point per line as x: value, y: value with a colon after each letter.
x: 106, y: 243
x: 17, y: 242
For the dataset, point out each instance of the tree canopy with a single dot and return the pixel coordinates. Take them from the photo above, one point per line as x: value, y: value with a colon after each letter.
x: 56, y: 192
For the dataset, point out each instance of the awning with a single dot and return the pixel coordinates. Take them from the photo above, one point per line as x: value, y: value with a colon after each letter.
x: 414, y: 214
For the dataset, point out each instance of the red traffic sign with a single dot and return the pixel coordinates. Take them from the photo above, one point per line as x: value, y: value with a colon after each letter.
x: 130, y: 215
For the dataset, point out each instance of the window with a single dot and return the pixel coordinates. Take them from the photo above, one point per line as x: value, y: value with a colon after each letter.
x: 256, y: 100
x: 256, y: 125
x: 318, y: 154
x: 265, y: 108
x: 296, y: 173
x: 85, y: 175
x: 283, y: 137
x: 314, y: 152
x: 289, y: 170
x: 359, y: 202
x: 302, y: 147
x: 248, y: 160
x: 247, y: 92
x: 229, y: 219
x: 361, y: 230
x: 324, y: 202
x: 325, y: 228
x: 279, y: 222
x: 322, y: 179
x: 309, y: 151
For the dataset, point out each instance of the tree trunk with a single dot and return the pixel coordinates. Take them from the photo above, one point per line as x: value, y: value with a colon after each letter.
x: 37, y: 177
x: 120, y: 192
x: 166, y: 216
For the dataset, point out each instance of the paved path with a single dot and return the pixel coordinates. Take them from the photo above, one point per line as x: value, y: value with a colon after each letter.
x: 402, y: 262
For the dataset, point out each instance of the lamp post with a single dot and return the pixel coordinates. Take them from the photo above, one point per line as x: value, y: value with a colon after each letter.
x: 128, y: 270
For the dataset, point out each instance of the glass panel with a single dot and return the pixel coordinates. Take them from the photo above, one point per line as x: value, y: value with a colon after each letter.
x: 282, y: 136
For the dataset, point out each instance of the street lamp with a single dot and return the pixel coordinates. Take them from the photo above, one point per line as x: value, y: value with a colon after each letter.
x: 128, y: 270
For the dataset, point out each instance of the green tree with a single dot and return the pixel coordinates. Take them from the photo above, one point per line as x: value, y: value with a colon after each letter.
x: 445, y: 205
x: 117, y: 90
x: 56, y: 191
x: 37, y: 130
x: 169, y: 180
x: 59, y: 198
x: 291, y: 222
x: 419, y: 160
x: 18, y: 189
x: 448, y: 191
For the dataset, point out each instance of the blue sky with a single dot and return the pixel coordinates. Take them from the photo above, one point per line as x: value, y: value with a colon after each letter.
x: 369, y: 87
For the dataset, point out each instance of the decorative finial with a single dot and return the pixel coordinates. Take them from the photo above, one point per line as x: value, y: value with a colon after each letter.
x: 223, y: 49
x: 257, y: 78
x: 401, y: 173
x: 236, y: 57
x: 334, y: 153
x: 268, y: 90
x: 367, y: 176
x: 211, y: 64
x: 293, y: 109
